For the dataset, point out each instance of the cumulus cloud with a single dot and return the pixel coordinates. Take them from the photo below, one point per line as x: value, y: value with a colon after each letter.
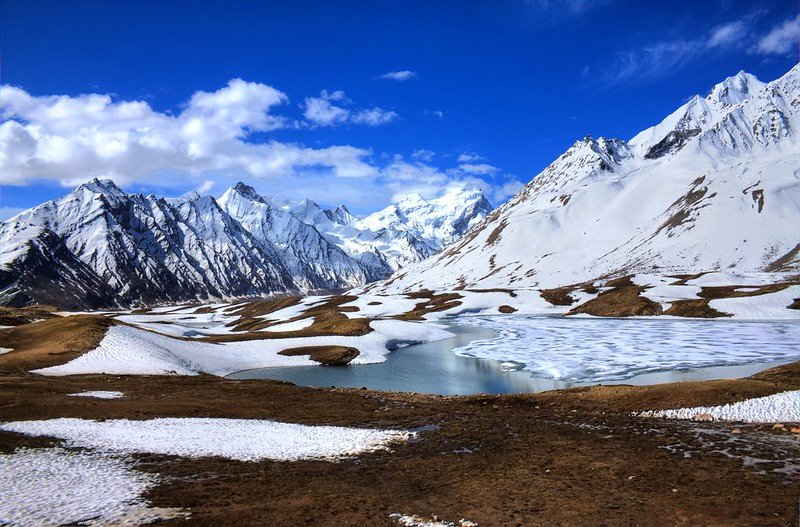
x: 374, y: 117
x: 70, y: 139
x: 216, y: 139
x: 402, y: 178
x: 400, y: 76
x: 321, y: 111
x: 781, y: 39
x: 205, y: 186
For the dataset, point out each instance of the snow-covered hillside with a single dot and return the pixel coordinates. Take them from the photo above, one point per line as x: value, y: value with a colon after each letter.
x: 714, y: 187
x: 101, y: 247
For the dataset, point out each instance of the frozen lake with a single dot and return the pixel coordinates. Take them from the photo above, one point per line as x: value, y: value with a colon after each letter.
x: 514, y: 354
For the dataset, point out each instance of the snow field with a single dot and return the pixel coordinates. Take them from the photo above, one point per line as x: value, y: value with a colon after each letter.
x: 131, y: 351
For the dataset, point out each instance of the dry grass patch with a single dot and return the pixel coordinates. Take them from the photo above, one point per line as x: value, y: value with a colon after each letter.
x: 506, y: 309
x: 623, y: 300
x: 694, y: 308
x: 559, y: 296
x: 509, y: 292
x: 329, y: 320
x: 250, y: 313
x: 16, y: 316
x: 431, y: 303
x: 51, y: 342
x: 326, y: 355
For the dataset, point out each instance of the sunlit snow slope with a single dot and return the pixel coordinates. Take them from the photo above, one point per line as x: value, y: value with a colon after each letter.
x: 714, y: 187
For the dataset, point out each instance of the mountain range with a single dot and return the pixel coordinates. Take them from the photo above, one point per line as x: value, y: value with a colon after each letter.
x: 715, y: 186
x: 99, y: 247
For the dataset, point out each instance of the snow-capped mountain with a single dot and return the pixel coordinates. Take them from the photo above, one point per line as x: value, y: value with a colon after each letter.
x: 402, y: 233
x: 713, y: 187
x: 142, y: 248
x: 100, y: 247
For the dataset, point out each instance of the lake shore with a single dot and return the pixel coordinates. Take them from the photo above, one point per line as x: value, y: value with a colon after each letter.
x: 567, y: 456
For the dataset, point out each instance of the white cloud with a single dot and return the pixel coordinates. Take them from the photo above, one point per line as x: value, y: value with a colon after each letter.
x: 374, y: 117
x: 648, y: 63
x: 423, y: 155
x: 468, y: 157
x: 71, y: 139
x: 320, y: 112
x: 205, y: 186
x: 207, y: 146
x: 399, y: 76
x: 655, y: 60
x: 731, y: 34
x: 781, y: 40
x: 403, y: 178
x: 482, y: 169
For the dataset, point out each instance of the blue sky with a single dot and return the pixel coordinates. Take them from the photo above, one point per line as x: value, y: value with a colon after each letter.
x: 354, y: 102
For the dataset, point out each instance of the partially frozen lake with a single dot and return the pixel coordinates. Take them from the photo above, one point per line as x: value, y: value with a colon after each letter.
x: 513, y: 354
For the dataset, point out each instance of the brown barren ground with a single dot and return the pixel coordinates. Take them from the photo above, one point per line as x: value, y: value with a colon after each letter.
x: 51, y: 342
x: 572, y: 457
x: 623, y: 300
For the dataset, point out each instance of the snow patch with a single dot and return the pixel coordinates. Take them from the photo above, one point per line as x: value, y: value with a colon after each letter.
x: 417, y: 521
x: 297, y: 325
x: 238, y: 439
x: 98, y: 394
x: 768, y: 306
x: 54, y: 486
x: 779, y: 408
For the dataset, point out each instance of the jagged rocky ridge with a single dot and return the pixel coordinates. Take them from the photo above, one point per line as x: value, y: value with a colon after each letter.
x: 714, y: 187
x: 99, y: 247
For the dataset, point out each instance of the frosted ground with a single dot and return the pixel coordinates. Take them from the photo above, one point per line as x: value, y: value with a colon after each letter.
x: 597, y: 350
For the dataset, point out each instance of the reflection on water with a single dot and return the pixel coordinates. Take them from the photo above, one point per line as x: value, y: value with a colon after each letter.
x: 434, y: 368
x: 425, y: 368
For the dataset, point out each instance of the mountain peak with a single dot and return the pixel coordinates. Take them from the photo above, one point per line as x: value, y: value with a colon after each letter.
x: 412, y: 199
x: 735, y: 89
x: 102, y: 186
x: 247, y: 191
x: 192, y: 195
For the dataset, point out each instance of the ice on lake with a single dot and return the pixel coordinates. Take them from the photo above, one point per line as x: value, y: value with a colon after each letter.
x: 597, y: 350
